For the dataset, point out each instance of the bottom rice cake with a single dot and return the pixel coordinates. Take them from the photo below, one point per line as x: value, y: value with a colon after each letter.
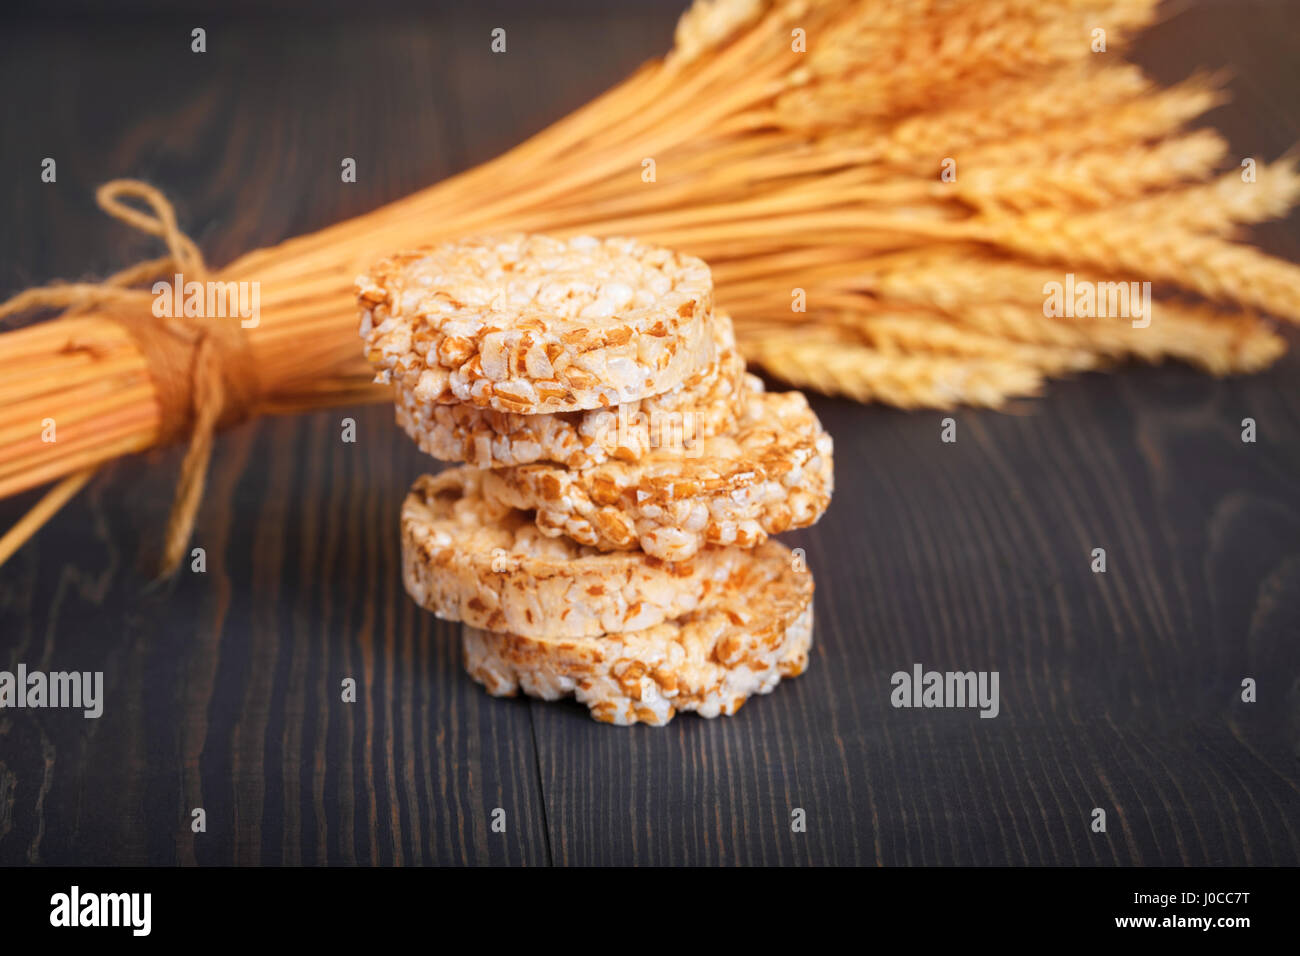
x: 755, y: 631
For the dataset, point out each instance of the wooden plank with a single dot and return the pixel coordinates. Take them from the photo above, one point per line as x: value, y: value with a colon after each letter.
x: 224, y: 688
x: 1119, y: 691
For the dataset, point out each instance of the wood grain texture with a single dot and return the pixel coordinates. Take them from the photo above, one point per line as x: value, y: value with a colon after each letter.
x: 1118, y: 691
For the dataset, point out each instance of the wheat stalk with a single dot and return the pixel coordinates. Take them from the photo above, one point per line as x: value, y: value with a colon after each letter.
x: 1221, y: 345
x: 1106, y: 176
x: 907, y: 381
x: 1142, y: 120
x: 1212, y: 266
x: 791, y: 172
x: 1014, y: 108
x: 918, y: 332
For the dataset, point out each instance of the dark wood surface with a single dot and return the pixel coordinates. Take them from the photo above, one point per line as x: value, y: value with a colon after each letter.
x: 1118, y: 691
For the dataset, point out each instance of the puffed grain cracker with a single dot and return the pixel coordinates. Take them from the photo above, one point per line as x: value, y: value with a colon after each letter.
x: 709, y: 661
x: 706, y: 404
x: 774, y: 473
x: 531, y: 324
x: 468, y: 559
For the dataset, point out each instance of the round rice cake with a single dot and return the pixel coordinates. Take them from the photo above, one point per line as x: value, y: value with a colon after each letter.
x: 708, y: 403
x: 773, y: 473
x: 469, y: 559
x: 709, y: 661
x: 532, y: 324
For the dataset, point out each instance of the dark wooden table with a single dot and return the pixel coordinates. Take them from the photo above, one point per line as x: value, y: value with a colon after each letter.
x: 1119, y: 691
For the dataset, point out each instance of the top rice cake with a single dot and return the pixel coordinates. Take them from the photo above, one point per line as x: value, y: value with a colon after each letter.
x: 531, y: 324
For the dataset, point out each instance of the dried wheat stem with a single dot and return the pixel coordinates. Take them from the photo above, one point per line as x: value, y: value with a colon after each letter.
x: 1114, y: 175
x: 1214, y: 267
x: 1219, y: 344
x: 1146, y: 119
x: 905, y: 381
x: 902, y: 333
x: 44, y: 510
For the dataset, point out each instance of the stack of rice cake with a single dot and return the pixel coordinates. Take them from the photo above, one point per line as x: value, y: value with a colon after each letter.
x: 607, y: 534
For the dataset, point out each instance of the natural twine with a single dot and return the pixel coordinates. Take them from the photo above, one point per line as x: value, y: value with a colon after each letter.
x: 203, y: 370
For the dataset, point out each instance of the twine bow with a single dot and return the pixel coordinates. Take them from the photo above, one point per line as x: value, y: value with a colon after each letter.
x: 202, y: 369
